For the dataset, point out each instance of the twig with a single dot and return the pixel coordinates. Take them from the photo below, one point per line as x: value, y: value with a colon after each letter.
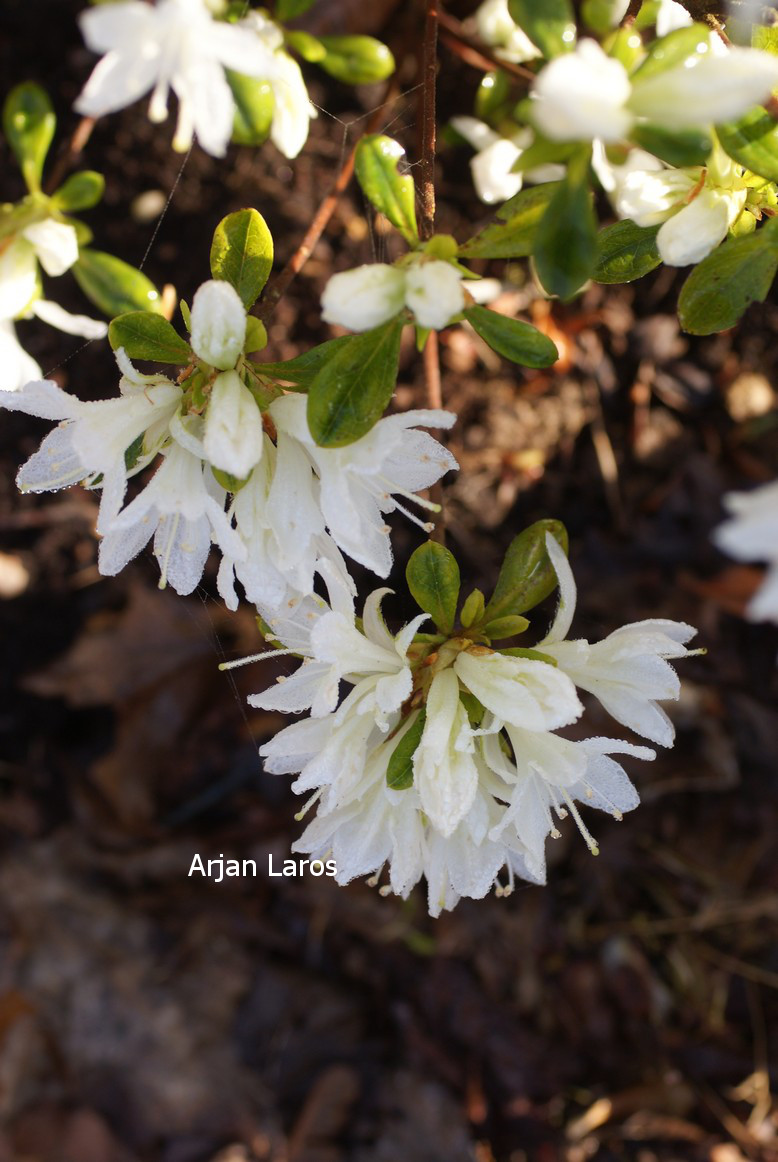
x: 428, y: 125
x: 70, y: 154
x: 284, y: 279
x: 477, y: 55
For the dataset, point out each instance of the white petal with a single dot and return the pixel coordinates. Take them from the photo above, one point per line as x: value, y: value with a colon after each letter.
x: 433, y: 291
x: 691, y: 234
x: 707, y: 89
x: 365, y: 297
x: 55, y: 244
x: 218, y: 324
x: 57, y: 316
x: 17, y: 368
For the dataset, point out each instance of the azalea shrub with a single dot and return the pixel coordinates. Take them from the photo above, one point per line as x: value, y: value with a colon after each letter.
x: 435, y: 750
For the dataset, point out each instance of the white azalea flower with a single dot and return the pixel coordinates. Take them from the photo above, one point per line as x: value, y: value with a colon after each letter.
x: 433, y: 292
x: 498, y: 29
x: 581, y: 95
x: 234, y: 437
x: 751, y: 534
x: 548, y: 774
x: 93, y: 437
x: 519, y: 691
x: 364, y: 297
x: 492, y: 166
x: 585, y: 94
x: 359, y: 483
x: 174, y: 44
x: 182, y: 507
x: 292, y: 111
x: 16, y: 367
x: 218, y: 324
x: 670, y: 17
x: 628, y: 671
x: 444, y: 764
x: 696, y: 206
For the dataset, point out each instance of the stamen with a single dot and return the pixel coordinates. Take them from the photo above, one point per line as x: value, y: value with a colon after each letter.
x: 423, y: 524
x: 254, y: 658
x: 306, y: 808
x: 588, y: 839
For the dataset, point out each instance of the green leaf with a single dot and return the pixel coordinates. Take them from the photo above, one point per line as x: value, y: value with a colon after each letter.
x: 514, y: 340
x: 242, y: 253
x: 527, y: 575
x: 541, y: 151
x: 433, y: 579
x: 310, y: 48
x: 256, y: 335
x: 291, y: 9
x: 356, y: 60
x: 724, y: 284
x: 532, y: 655
x: 492, y: 94
x: 753, y: 141
x: 303, y: 369
x: 349, y: 394
x: 473, y: 609
x: 392, y: 194
x: 602, y: 15
x: 672, y: 50
x: 254, y: 108
x: 565, y: 248
x: 550, y: 24
x: 147, y: 336
x: 765, y: 36
x: 399, y: 771
x: 228, y: 482
x: 81, y: 191
x: 503, y: 627
x: 515, y: 236
x: 678, y: 147
x: 114, y: 286
x: 29, y: 124
x: 626, y: 252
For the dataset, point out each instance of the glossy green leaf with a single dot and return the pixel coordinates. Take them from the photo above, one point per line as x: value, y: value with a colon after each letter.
x: 256, y: 335
x: 473, y: 609
x: 550, y: 24
x: 303, y: 369
x: 492, y: 94
x: 147, y: 336
x: 254, y: 108
x: 678, y: 147
x: 541, y: 151
x: 565, y: 246
x: 765, y: 36
x: 753, y: 141
x: 723, y: 285
x: 433, y: 579
x: 626, y: 252
x: 391, y: 193
x: 310, y: 48
x: 350, y: 393
x: 514, y: 237
x: 356, y: 60
x: 114, y: 286
x: 81, y: 191
x: 527, y: 575
x: 399, y: 771
x: 602, y: 15
x: 242, y: 253
x: 625, y: 45
x: 514, y: 340
x: 671, y: 51
x: 505, y: 627
x: 29, y: 124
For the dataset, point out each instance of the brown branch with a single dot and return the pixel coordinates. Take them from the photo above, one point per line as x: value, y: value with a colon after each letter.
x: 281, y: 283
x: 428, y: 123
x: 475, y: 54
x: 70, y: 154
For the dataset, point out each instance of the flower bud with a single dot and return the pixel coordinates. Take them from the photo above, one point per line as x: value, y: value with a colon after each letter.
x: 218, y: 324
x: 233, y: 435
x: 581, y: 95
x: 433, y: 291
x: 365, y: 297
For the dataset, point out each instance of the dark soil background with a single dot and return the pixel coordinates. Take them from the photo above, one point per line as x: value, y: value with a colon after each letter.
x: 625, y: 1011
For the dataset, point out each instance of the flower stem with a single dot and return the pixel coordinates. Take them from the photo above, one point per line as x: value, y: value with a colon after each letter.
x: 428, y: 124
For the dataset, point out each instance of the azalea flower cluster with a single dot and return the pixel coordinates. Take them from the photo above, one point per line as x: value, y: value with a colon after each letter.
x: 372, y: 294
x: 53, y: 245
x: 586, y: 95
x: 181, y: 45
x: 234, y: 467
x: 486, y: 775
